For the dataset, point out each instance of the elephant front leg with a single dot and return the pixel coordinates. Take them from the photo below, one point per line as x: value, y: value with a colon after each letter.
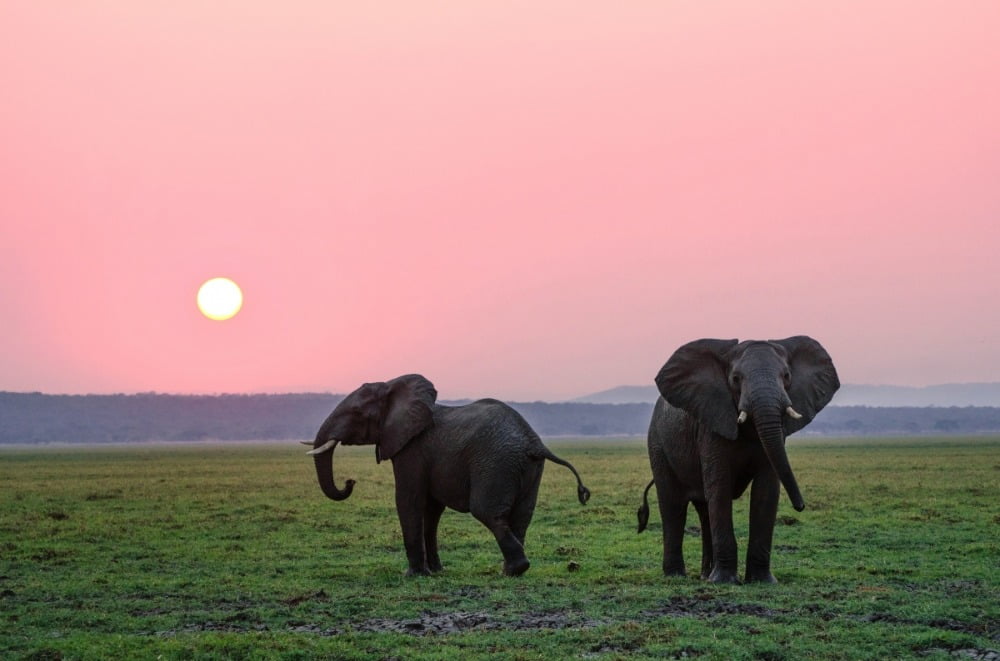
x: 720, y: 514
x: 432, y: 515
x: 717, y: 480
x: 411, y: 520
x: 706, y: 539
x: 764, y: 496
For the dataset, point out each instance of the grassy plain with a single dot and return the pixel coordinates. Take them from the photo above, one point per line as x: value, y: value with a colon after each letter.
x: 231, y: 551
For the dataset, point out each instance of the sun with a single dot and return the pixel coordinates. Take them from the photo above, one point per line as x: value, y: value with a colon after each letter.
x: 220, y: 299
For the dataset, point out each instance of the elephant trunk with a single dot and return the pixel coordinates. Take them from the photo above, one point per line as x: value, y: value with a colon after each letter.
x: 324, y: 472
x: 768, y: 422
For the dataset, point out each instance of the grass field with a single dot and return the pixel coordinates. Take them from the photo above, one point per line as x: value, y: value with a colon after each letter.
x: 231, y: 551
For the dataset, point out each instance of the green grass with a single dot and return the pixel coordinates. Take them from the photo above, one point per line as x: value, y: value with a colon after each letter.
x: 233, y: 552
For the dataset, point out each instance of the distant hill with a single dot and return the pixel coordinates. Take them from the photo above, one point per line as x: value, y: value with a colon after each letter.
x: 621, y: 395
x: 948, y: 394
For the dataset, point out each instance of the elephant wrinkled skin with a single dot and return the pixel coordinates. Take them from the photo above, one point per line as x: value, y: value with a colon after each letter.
x: 720, y: 424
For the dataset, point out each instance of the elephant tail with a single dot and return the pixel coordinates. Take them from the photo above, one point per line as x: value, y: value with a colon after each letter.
x: 582, y: 492
x: 644, y: 508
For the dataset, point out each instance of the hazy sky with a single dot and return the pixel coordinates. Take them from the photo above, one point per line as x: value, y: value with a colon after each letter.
x: 530, y: 200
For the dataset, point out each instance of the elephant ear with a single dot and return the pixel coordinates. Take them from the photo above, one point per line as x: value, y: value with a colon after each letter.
x: 814, y: 379
x: 410, y: 410
x: 696, y: 379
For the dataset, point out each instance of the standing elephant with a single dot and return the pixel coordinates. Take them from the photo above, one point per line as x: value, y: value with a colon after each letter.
x: 481, y: 458
x: 721, y: 423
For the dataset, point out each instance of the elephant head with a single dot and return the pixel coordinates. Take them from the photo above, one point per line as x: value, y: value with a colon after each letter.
x: 387, y: 414
x: 778, y: 385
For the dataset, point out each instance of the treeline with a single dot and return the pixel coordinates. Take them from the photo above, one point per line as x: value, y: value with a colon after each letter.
x: 905, y: 420
x: 40, y: 418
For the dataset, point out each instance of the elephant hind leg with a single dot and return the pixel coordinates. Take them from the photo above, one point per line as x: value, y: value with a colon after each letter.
x: 518, y: 563
x: 515, y: 562
x: 673, y: 515
x: 524, y: 506
x: 506, y: 512
x: 498, y: 519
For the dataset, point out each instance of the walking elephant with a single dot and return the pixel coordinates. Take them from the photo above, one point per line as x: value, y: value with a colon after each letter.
x: 721, y: 423
x: 481, y: 458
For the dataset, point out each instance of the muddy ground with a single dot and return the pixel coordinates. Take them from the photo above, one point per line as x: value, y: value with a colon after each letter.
x: 436, y: 623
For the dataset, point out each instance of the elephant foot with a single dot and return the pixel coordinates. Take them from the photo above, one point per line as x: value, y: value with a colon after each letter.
x: 760, y: 577
x: 516, y: 568
x: 421, y: 571
x: 674, y: 570
x: 723, y: 576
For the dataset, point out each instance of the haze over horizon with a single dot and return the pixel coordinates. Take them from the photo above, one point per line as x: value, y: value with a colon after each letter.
x: 531, y: 201
x: 851, y: 394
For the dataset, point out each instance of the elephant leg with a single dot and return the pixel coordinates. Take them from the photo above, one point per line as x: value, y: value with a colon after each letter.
x: 706, y: 538
x: 411, y: 510
x: 520, y: 517
x: 673, y: 515
x: 497, y: 517
x: 432, y: 515
x: 720, y: 516
x: 764, y: 496
x: 495, y: 504
x: 515, y: 562
x: 524, y: 508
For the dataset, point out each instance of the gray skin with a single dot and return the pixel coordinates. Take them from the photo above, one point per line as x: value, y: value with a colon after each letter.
x: 701, y: 452
x: 481, y: 458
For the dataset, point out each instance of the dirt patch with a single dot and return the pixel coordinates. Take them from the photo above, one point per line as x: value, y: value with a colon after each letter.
x: 705, y: 608
x: 979, y: 655
x: 319, y: 595
x: 435, y: 624
x: 470, y: 592
x: 440, y: 622
x: 237, y: 623
x: 986, y: 628
x: 969, y: 653
x: 104, y: 495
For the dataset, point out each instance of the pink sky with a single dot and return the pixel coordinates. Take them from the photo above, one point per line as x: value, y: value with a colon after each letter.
x: 529, y: 200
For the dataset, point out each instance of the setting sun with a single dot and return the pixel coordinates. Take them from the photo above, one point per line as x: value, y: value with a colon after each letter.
x: 220, y: 299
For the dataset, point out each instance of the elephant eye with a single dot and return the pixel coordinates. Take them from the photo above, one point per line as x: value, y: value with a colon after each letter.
x: 736, y: 380
x: 787, y: 377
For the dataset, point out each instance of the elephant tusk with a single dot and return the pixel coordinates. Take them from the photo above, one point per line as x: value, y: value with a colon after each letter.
x: 329, y: 445
x: 792, y: 413
x: 742, y: 418
x: 306, y: 442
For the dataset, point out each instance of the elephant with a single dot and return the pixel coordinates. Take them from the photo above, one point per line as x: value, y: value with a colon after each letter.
x: 720, y: 423
x: 482, y: 458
